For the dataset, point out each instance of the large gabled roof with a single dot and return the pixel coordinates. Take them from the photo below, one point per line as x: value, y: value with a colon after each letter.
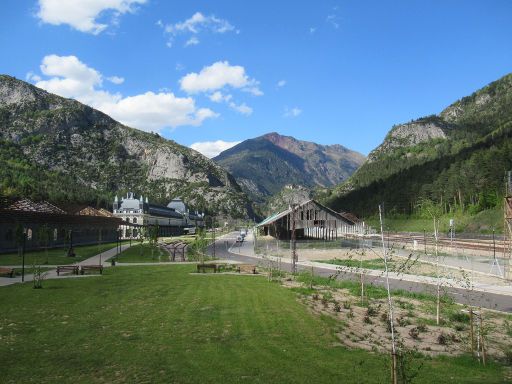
x: 273, y: 218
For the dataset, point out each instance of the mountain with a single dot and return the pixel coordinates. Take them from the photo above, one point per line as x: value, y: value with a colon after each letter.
x: 265, y: 164
x: 290, y: 194
x: 61, y: 150
x: 457, y: 158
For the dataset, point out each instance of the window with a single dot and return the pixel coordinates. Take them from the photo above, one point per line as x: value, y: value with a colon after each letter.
x: 55, y: 234
x: 29, y: 234
x: 134, y: 220
x: 127, y: 219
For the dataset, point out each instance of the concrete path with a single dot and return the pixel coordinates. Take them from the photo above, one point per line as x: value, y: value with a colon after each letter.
x: 100, y: 258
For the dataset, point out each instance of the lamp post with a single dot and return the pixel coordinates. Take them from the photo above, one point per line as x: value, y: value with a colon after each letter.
x: 23, y: 256
x: 212, y: 228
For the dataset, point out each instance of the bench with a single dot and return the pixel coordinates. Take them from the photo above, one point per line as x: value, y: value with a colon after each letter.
x: 203, y: 267
x: 246, y: 268
x: 7, y: 271
x: 72, y: 268
x: 85, y: 268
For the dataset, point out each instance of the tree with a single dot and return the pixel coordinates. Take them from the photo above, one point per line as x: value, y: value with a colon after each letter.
x: 434, y: 211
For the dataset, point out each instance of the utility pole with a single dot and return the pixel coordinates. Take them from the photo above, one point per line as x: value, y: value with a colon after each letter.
x: 293, y: 243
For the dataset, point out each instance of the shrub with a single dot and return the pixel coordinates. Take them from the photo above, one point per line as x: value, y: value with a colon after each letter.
x: 459, y: 317
x: 508, y: 356
x: 422, y: 328
x: 403, y: 321
x: 414, y: 333
x: 337, y: 307
x: 443, y: 339
x: 372, y: 311
x: 346, y: 304
x: 367, y: 320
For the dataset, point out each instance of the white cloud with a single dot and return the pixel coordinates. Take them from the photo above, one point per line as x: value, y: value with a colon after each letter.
x: 292, y: 112
x: 83, y: 14
x: 196, y: 24
x: 312, y: 30
x: 333, y: 20
x: 69, y: 77
x: 154, y: 111
x: 281, y: 83
x: 192, y: 41
x: 116, y: 79
x: 218, y: 97
x: 31, y: 76
x: 243, y: 108
x: 217, y: 76
x: 199, y: 22
x: 213, y: 148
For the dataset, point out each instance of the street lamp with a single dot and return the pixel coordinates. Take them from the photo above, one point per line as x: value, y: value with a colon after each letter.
x: 212, y: 226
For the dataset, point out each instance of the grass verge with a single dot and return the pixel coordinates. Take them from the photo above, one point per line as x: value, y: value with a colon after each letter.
x: 56, y: 256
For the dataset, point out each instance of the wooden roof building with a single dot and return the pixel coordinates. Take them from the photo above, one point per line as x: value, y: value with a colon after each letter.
x: 310, y: 220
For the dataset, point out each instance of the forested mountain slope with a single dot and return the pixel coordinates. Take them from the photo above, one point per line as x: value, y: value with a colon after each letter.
x: 457, y: 158
x: 61, y: 150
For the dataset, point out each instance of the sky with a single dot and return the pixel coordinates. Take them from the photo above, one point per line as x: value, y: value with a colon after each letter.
x: 209, y: 74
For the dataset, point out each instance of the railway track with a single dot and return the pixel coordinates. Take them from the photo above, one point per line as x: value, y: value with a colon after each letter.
x: 498, y: 245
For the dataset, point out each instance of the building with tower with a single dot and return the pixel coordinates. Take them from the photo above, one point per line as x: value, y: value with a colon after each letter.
x: 173, y: 219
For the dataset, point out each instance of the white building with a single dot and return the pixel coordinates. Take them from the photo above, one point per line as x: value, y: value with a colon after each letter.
x: 172, y: 220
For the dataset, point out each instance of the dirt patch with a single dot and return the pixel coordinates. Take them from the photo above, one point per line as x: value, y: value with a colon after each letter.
x: 367, y: 325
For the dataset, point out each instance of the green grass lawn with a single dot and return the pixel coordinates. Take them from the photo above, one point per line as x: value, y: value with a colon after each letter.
x: 482, y: 222
x: 142, y: 254
x: 160, y: 324
x: 55, y: 256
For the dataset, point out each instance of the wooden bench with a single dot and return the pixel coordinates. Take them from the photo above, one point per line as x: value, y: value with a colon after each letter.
x: 246, y: 268
x: 72, y: 268
x: 85, y: 268
x: 203, y: 267
x: 7, y: 271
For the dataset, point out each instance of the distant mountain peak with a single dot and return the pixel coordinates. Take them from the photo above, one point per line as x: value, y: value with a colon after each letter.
x: 265, y: 164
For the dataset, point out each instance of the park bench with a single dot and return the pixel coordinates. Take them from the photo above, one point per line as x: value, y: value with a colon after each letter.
x: 85, y: 268
x: 7, y: 271
x: 72, y: 268
x: 203, y: 267
x: 247, y: 268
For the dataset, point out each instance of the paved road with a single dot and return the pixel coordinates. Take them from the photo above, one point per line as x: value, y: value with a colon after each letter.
x: 488, y: 300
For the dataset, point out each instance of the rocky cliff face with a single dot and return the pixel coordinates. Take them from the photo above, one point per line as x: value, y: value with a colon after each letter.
x: 69, y: 138
x: 264, y: 165
x: 411, y: 134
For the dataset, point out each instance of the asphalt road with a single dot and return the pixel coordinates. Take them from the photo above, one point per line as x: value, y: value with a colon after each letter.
x: 462, y: 296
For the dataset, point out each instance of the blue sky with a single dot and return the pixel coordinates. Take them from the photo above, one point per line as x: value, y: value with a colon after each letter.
x: 333, y: 72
